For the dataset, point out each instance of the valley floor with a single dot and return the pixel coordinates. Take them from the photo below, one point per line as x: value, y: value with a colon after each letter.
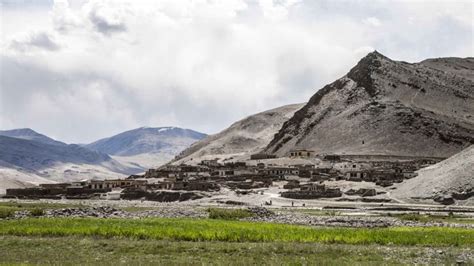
x: 92, y: 250
x: 133, y: 232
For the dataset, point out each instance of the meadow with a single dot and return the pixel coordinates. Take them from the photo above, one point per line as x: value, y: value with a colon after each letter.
x: 234, y: 231
x: 73, y: 250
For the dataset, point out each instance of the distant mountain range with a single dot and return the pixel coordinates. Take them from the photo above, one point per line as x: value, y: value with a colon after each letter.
x: 28, y: 157
x: 147, y: 140
x: 29, y: 134
x: 37, y: 155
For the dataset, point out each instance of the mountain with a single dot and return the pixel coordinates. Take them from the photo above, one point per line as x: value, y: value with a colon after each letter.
x: 388, y: 107
x: 36, y: 155
x: 25, y: 162
x: 247, y: 136
x: 147, y: 140
x: 28, y: 158
x: 454, y: 175
x: 29, y: 134
x: 147, y: 147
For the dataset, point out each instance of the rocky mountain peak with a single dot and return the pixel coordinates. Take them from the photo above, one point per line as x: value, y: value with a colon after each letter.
x: 363, y: 72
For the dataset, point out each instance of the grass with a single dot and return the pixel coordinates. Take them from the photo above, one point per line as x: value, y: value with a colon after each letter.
x: 234, y: 231
x: 426, y: 218
x: 228, y: 214
x: 136, y: 208
x: 36, y: 212
x: 8, y: 209
x: 6, y: 212
x: 40, y: 205
x: 422, y: 218
x: 19, y: 206
x: 114, y: 251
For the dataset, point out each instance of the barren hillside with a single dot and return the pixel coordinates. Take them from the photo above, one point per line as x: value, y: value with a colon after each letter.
x: 453, y: 175
x: 247, y: 136
x: 388, y: 107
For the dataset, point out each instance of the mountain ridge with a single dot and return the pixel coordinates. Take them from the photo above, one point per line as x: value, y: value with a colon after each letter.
x: 34, y: 155
x: 147, y: 140
x: 29, y: 134
x: 242, y: 138
x: 388, y: 106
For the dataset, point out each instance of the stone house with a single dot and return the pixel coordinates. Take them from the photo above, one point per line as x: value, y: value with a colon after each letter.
x: 281, y: 171
x: 226, y: 172
x: 117, y: 183
x: 332, y: 158
x: 357, y: 175
x: 262, y: 156
x: 210, y: 163
x: 301, y: 153
x: 312, y: 187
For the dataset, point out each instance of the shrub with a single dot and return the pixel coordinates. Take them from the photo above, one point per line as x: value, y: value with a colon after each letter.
x: 36, y: 212
x: 228, y: 214
x: 413, y: 217
x: 6, y: 212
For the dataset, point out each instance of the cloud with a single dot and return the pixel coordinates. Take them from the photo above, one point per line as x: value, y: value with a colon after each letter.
x: 89, y: 69
x: 373, y: 21
x: 63, y: 18
x: 34, y: 40
x: 106, y: 18
x: 276, y: 10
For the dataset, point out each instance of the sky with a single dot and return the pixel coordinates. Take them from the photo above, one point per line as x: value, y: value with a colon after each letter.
x: 81, y: 70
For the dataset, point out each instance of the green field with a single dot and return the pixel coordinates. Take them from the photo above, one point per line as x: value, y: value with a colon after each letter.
x: 213, y: 241
x: 233, y: 231
x: 114, y: 251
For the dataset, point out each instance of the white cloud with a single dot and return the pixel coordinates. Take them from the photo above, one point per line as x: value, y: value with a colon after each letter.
x: 34, y: 41
x: 276, y: 10
x: 373, y: 21
x: 102, y: 67
x: 63, y: 18
x: 107, y: 17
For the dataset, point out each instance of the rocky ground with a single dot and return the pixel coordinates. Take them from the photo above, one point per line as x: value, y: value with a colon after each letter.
x: 111, y: 212
x: 348, y: 221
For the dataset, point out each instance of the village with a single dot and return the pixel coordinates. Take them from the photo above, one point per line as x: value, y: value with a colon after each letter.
x: 297, y: 180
